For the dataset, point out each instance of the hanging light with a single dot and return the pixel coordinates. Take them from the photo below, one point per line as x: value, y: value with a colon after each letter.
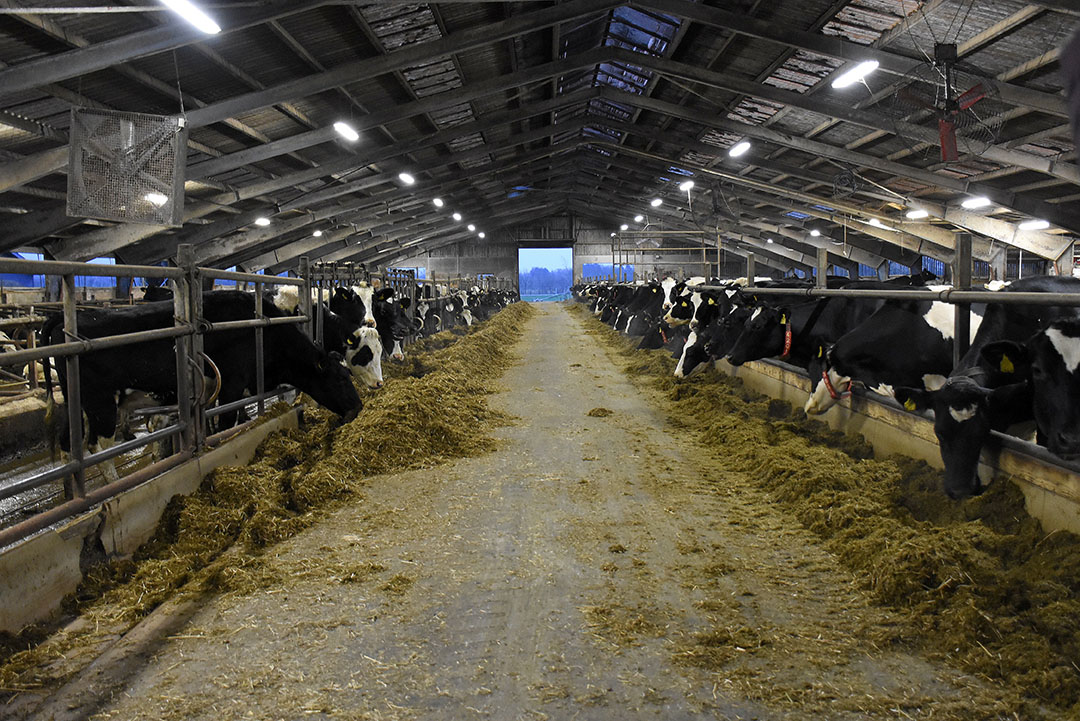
x: 624, y: 226
x: 739, y: 148
x: 456, y: 217
x: 406, y: 178
x: 815, y: 232
x: 262, y: 222
x: 686, y: 186
x: 317, y: 234
x: 471, y: 227
x: 438, y: 202
x: 980, y: 201
x: 193, y: 15
x: 917, y: 214
x: 768, y: 240
x: 346, y: 131
x: 481, y: 235
x: 639, y: 218
x: 1034, y: 225
x: 856, y: 74
x: 656, y: 202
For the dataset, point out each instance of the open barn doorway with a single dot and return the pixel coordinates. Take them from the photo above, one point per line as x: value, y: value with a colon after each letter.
x: 545, y: 274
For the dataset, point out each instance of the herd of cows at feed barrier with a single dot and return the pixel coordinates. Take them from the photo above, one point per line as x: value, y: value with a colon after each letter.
x: 1022, y: 365
x: 360, y: 325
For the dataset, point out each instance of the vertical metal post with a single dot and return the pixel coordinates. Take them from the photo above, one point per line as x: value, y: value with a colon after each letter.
x: 75, y: 487
x: 962, y: 281
x: 751, y: 269
x: 305, y: 295
x: 822, y: 267
x: 182, y: 314
x: 320, y: 320
x: 198, y: 285
x: 260, y: 364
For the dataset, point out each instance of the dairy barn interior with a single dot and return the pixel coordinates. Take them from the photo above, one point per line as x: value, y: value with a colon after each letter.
x: 284, y: 435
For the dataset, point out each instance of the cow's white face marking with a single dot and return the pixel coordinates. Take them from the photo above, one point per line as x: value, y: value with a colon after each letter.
x: 883, y: 389
x: 1066, y: 346
x: 287, y: 298
x: 365, y: 292
x: 397, y: 353
x: 933, y: 381
x: 369, y: 373
x: 755, y: 314
x: 962, y: 414
x: 690, y: 340
x: 628, y: 322
x: 467, y: 315
x: 731, y: 293
x: 821, y: 400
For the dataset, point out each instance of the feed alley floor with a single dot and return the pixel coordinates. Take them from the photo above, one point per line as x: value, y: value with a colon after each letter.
x: 594, y: 567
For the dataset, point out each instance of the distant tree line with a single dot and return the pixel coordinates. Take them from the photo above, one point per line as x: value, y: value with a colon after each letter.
x: 542, y: 281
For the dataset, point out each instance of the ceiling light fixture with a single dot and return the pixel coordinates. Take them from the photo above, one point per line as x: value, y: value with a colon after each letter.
x: 739, y: 149
x: 193, y: 15
x: 687, y: 186
x: 815, y: 232
x: 406, y: 178
x: 317, y: 234
x: 856, y: 74
x: 156, y: 198
x: 980, y: 201
x: 456, y: 217
x: 262, y: 222
x: 624, y: 226
x: 1034, y: 225
x: 656, y: 202
x: 917, y: 214
x: 346, y: 131
x: 471, y: 227
x: 438, y: 202
x: 481, y: 235
x: 639, y: 218
x: 768, y: 240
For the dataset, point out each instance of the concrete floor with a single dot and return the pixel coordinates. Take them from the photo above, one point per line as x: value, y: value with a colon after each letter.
x: 589, y: 569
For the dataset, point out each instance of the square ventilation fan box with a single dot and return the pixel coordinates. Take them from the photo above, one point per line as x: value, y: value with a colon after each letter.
x: 127, y: 167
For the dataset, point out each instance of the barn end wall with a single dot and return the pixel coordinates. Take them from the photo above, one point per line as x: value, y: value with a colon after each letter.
x: 467, y: 260
x: 37, y: 573
x: 1051, y: 490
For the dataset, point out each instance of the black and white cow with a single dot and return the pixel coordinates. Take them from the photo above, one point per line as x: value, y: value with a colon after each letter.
x: 977, y: 396
x: 290, y: 358
x: 1050, y: 361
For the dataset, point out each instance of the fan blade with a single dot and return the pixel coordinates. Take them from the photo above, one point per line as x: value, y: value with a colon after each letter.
x: 947, y: 133
x: 972, y: 96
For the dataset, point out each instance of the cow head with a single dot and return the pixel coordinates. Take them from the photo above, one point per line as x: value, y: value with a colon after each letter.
x: 762, y: 335
x: 1050, y: 360
x: 330, y: 385
x: 363, y: 356
x: 964, y: 414
x: 681, y: 311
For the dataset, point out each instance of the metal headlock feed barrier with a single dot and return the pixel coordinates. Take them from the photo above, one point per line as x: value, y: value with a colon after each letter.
x: 189, y: 432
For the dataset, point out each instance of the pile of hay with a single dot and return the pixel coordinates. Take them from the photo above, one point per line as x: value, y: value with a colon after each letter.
x: 295, y: 477
x: 980, y: 582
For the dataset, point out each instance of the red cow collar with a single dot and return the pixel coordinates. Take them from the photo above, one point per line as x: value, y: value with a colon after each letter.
x: 787, y: 342
x: 832, y: 390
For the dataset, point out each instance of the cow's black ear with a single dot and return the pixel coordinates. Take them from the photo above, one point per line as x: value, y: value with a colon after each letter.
x: 914, y: 399
x: 384, y: 294
x: 335, y: 357
x: 352, y: 340
x: 785, y: 314
x: 1008, y: 358
x: 405, y: 302
x: 343, y: 292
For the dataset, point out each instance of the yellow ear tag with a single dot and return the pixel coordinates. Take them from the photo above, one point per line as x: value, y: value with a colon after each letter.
x: 1007, y: 365
x: 820, y: 351
x: 684, y: 304
x: 712, y: 302
x: 783, y: 320
x: 909, y: 404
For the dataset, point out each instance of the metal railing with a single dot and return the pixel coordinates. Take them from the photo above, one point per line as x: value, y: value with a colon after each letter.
x: 189, y: 432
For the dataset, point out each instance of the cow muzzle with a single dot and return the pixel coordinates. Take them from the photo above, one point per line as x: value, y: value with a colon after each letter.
x: 370, y: 322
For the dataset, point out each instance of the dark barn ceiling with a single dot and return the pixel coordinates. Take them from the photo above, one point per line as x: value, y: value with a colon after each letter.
x: 512, y: 112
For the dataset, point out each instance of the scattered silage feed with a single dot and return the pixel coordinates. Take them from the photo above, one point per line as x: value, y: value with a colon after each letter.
x: 980, y: 583
x: 433, y: 408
